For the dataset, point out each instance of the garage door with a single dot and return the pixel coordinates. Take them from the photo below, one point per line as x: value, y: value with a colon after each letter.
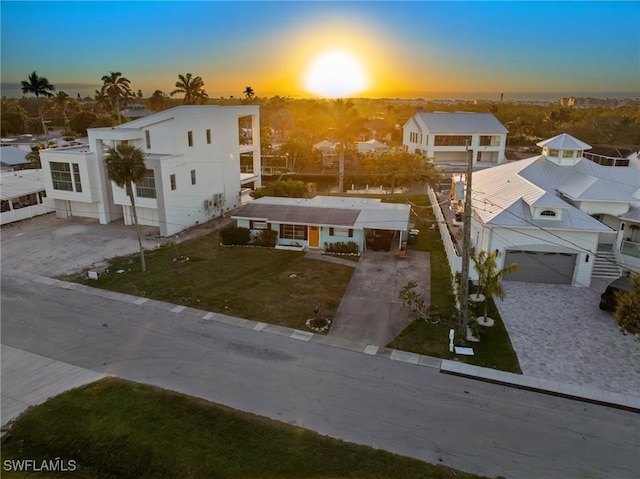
x: 539, y: 267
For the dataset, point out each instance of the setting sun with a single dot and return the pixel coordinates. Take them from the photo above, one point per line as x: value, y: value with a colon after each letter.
x: 335, y: 73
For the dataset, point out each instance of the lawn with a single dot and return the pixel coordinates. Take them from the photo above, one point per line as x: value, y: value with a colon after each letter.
x: 252, y: 283
x: 118, y: 429
x: 494, y: 349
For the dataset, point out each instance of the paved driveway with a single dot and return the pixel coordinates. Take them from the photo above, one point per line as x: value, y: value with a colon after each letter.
x: 370, y: 311
x: 559, y: 333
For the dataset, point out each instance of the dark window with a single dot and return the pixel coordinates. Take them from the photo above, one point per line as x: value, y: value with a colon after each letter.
x: 295, y: 232
x: 209, y: 137
x: 172, y: 180
x: 547, y: 213
x: 193, y: 177
x: 61, y: 176
x: 190, y: 138
x: 76, y: 177
x: 147, y: 135
x: 452, y: 140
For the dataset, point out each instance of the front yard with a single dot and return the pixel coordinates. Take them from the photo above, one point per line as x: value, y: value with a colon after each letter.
x: 272, y: 286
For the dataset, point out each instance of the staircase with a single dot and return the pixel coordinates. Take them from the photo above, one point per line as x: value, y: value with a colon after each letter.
x: 605, y: 264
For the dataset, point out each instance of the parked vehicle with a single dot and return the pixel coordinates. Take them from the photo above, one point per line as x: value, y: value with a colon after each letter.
x: 608, y: 298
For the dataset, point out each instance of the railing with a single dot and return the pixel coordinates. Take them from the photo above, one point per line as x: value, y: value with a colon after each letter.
x: 630, y: 248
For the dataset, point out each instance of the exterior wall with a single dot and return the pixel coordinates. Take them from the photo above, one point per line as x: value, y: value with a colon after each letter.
x: 602, y: 207
x: 584, y: 244
x: 11, y: 216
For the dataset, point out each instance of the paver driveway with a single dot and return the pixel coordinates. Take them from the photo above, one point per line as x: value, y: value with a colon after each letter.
x: 559, y: 333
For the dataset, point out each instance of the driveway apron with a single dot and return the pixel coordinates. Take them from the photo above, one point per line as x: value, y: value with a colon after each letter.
x: 371, y: 311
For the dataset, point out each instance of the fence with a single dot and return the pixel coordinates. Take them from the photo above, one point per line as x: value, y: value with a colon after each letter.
x: 454, y: 258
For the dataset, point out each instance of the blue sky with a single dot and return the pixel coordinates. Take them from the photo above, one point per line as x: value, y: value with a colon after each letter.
x: 408, y: 48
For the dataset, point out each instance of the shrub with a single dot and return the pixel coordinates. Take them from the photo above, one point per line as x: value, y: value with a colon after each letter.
x: 627, y: 311
x: 266, y: 238
x: 347, y: 248
x: 233, y: 235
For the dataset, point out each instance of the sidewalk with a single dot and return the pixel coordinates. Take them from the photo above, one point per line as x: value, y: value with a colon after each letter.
x: 572, y: 391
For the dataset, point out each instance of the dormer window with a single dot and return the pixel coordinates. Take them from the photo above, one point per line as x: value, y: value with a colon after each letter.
x: 542, y: 213
x: 548, y: 213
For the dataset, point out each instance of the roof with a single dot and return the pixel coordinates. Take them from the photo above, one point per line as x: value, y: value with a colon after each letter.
x: 12, y: 156
x: 14, y: 184
x: 633, y: 215
x: 564, y: 142
x: 353, y: 212
x: 460, y: 122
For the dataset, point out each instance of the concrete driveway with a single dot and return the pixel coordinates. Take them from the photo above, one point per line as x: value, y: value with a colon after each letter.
x: 52, y: 246
x: 559, y: 333
x: 370, y: 311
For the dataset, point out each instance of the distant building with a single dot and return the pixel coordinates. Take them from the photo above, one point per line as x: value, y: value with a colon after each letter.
x: 13, y: 158
x: 448, y: 138
x: 609, y: 103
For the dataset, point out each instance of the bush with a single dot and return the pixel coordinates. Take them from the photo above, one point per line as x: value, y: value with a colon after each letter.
x: 233, y: 235
x: 346, y: 248
x: 266, y: 238
x: 627, y: 311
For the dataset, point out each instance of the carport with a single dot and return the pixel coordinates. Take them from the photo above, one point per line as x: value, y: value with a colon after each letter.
x: 541, y: 266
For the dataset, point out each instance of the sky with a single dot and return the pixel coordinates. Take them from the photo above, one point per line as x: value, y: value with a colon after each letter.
x: 399, y: 49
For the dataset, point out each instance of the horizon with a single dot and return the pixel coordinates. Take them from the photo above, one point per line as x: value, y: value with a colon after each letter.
x: 463, y: 50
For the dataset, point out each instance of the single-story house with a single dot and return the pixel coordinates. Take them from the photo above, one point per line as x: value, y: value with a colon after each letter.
x: 310, y: 223
x: 13, y: 158
x: 23, y: 195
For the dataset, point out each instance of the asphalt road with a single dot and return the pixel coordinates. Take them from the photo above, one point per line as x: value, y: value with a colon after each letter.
x: 411, y: 410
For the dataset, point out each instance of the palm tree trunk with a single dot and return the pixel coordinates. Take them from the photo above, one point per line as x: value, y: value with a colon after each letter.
x: 119, y: 119
x: 143, y: 265
x: 44, y: 126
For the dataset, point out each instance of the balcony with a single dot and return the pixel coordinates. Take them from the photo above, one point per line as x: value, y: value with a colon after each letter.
x: 630, y: 248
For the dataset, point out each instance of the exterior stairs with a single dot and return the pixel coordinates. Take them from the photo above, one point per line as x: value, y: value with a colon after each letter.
x: 605, y: 264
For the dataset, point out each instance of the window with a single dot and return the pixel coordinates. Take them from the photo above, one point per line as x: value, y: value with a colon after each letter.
x: 193, y: 177
x: 147, y: 187
x: 415, y: 137
x: 295, y: 232
x: 489, y: 140
x: 61, y: 176
x: 208, y: 136
x: 548, y: 213
x: 452, y: 140
x: 341, y: 232
x: 258, y: 225
x: 567, y: 154
x: 147, y: 135
x: 172, y: 180
x: 76, y: 177
x: 553, y: 153
x: 190, y: 138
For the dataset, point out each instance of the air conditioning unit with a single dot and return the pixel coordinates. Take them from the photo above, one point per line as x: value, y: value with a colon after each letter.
x: 218, y: 199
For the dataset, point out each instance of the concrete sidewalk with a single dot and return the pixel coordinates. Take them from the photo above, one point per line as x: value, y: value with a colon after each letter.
x: 29, y: 379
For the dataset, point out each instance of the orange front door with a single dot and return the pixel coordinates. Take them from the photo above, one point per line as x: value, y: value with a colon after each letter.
x: 314, y: 236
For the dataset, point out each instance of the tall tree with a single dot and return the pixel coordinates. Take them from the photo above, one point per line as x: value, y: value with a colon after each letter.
x: 192, y: 89
x: 158, y: 100
x: 61, y: 101
x: 249, y: 93
x: 125, y: 166
x: 118, y: 89
x: 399, y: 168
x: 101, y: 101
x: 38, y: 86
x: 489, y: 275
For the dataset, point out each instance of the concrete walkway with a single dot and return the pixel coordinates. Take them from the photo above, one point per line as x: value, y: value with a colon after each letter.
x: 29, y: 379
x: 370, y: 311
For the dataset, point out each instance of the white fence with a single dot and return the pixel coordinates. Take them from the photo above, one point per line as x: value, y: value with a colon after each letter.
x: 455, y: 260
x: 11, y: 216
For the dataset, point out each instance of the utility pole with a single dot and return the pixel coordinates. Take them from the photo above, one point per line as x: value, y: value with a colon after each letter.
x: 466, y: 246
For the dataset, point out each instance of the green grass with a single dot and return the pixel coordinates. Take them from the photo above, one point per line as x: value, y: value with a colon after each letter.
x: 252, y: 283
x: 118, y: 429
x: 494, y: 349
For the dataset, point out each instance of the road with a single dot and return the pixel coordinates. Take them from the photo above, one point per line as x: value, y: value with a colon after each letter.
x: 411, y: 410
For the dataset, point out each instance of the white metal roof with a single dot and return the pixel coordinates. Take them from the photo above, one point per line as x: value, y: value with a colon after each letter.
x: 12, y: 156
x: 460, y: 123
x: 564, y: 142
x: 14, y: 184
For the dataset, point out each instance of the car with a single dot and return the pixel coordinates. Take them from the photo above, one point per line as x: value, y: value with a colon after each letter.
x: 608, y: 298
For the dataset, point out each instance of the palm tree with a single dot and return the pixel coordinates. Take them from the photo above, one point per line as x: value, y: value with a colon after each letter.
x: 38, y: 86
x: 489, y: 275
x: 125, y: 166
x: 158, y: 100
x: 117, y: 88
x: 33, y: 157
x: 192, y: 89
x: 249, y: 93
x: 101, y: 101
x: 61, y: 100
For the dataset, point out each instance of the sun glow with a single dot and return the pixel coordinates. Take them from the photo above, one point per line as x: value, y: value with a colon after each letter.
x: 335, y: 73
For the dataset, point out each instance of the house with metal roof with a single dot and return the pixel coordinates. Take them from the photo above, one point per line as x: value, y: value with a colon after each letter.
x: 310, y: 223
x: 561, y: 217
x: 23, y: 196
x: 449, y: 138
x: 13, y: 158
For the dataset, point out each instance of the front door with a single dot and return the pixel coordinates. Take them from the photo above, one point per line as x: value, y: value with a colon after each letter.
x: 314, y: 236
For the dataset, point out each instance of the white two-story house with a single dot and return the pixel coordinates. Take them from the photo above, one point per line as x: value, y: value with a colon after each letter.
x: 193, y: 156
x: 447, y: 138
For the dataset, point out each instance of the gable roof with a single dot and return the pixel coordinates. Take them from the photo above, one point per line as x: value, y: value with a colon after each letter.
x: 460, y: 122
x: 13, y: 156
